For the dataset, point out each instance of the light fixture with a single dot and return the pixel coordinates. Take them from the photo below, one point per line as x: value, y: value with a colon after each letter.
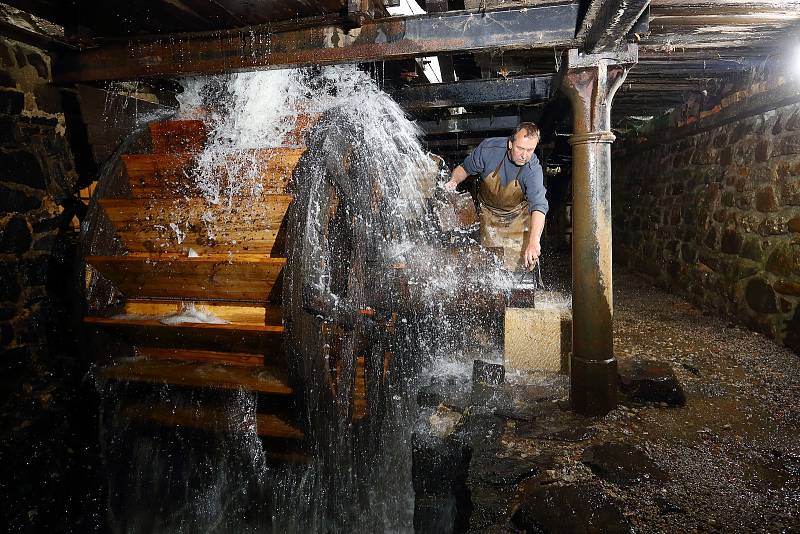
x: 794, y: 62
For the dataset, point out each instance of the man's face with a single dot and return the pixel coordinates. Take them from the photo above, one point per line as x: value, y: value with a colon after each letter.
x: 521, y: 147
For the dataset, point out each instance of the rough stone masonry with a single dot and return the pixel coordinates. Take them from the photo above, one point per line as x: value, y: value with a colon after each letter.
x: 716, y: 217
x: 37, y: 178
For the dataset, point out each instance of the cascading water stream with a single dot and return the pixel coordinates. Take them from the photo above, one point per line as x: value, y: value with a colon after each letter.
x: 381, y: 250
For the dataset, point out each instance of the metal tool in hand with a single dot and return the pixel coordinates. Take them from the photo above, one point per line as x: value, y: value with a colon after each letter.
x: 536, y: 275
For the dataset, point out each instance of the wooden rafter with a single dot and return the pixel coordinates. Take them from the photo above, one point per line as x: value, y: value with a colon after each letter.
x: 519, y: 90
x: 383, y: 39
x: 607, y: 22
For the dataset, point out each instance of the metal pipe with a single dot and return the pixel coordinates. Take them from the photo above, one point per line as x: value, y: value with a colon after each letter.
x: 590, y: 81
x: 593, y: 369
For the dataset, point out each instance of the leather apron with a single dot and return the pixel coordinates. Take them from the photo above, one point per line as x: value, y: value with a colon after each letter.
x: 504, y: 216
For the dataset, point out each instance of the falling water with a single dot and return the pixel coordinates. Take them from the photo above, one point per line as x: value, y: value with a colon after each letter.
x: 361, y: 237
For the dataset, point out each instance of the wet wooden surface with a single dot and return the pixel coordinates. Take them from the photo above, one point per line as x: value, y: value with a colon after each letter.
x: 219, y: 278
x: 257, y: 379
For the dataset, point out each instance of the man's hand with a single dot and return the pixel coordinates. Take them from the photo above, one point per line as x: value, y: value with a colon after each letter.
x: 456, y: 177
x: 532, y: 253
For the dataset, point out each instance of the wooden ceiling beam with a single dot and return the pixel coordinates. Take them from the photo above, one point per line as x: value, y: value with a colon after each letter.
x: 383, y: 39
x: 497, y: 91
x: 606, y: 23
x: 461, y: 124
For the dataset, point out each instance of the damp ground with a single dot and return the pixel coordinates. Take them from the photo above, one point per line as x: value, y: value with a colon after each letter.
x: 726, y: 461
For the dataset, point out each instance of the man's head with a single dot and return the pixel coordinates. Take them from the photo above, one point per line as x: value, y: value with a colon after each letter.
x: 522, y: 142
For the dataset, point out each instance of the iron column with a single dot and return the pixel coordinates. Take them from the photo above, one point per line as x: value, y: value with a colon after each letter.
x: 590, y: 81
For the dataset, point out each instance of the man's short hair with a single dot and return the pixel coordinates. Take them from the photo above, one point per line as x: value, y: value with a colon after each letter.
x: 531, y: 130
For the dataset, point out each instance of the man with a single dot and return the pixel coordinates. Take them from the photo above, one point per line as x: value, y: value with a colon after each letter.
x: 511, y: 192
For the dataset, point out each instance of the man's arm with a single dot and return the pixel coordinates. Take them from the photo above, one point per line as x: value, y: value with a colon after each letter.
x: 473, y: 164
x: 458, y: 175
x: 534, y: 248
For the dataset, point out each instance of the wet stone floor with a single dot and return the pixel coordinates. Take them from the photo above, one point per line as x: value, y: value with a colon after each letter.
x: 512, y: 458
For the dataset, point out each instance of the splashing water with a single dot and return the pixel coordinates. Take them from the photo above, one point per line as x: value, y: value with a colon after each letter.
x: 360, y: 237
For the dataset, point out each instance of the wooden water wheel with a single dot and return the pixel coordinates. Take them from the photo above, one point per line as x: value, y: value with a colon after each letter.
x: 337, y: 311
x: 170, y: 246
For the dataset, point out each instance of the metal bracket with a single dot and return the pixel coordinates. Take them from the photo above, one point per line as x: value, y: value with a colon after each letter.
x: 627, y: 56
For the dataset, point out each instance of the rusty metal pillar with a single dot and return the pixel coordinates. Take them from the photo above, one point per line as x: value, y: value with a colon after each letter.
x: 590, y: 81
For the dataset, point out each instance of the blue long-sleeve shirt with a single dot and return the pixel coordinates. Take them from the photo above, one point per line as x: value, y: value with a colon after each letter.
x: 485, y: 158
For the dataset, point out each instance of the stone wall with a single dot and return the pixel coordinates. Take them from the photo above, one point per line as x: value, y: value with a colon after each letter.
x: 37, y: 179
x: 715, y: 216
x: 48, y: 426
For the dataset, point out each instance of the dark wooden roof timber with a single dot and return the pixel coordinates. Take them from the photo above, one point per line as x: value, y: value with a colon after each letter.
x: 110, y: 18
x: 688, y: 47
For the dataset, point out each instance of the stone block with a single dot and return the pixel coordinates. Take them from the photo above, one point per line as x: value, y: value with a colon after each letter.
x: 9, y: 286
x: 22, y: 167
x: 439, y: 465
x: 784, y: 260
x: 731, y: 241
x: 15, y: 236
x: 488, y: 373
x: 752, y: 249
x: 787, y: 287
x: 762, y: 151
x: 791, y: 192
x: 8, y: 130
x: 454, y: 211
x: 760, y: 296
x: 48, y: 99
x: 38, y: 63
x: 538, y: 338
x: 650, y: 381
x: 766, y: 200
x: 435, y: 516
x: 793, y: 123
x: 8, y: 310
x: 579, y: 507
x: 19, y: 55
x: 11, y: 102
x: 622, y: 463
x: 773, y: 226
x: 789, y: 146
